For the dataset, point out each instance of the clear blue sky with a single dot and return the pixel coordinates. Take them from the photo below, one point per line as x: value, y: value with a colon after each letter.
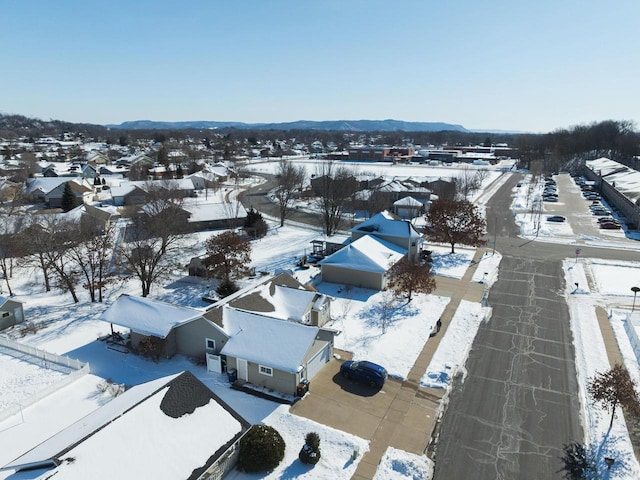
x: 499, y: 64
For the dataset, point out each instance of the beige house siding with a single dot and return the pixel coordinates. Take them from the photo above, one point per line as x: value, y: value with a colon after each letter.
x: 284, y: 382
x: 357, y: 278
x: 318, y: 345
x: 191, y: 338
x: 321, y: 316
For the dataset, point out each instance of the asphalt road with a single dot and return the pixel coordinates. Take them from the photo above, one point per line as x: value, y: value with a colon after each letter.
x: 517, y: 405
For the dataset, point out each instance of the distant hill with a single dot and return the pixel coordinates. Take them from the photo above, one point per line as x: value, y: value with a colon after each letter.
x: 335, y: 125
x: 25, y: 126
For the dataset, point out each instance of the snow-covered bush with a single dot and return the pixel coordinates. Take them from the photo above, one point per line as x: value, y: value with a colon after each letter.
x: 310, y: 452
x: 261, y: 449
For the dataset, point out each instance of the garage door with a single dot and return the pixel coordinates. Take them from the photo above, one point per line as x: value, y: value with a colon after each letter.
x: 318, y: 360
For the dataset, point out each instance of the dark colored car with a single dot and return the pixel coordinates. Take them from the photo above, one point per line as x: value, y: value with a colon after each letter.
x: 556, y: 218
x: 363, y: 371
x: 610, y: 226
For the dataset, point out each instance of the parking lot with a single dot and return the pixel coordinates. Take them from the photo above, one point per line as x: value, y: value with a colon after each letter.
x: 575, y: 207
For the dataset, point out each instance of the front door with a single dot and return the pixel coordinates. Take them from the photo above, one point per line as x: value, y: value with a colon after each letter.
x: 243, y: 369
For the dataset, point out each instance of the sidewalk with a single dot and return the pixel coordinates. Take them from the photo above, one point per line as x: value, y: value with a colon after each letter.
x: 413, y: 413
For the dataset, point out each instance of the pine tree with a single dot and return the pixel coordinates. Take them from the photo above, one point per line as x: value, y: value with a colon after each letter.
x: 68, y: 198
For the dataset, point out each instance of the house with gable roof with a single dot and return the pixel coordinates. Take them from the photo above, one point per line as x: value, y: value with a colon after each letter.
x: 270, y: 333
x: 276, y: 339
x: 408, y: 208
x: 376, y: 245
x: 174, y: 427
x: 173, y: 328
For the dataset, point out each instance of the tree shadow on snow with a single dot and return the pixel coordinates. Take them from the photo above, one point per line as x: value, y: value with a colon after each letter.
x: 607, y: 446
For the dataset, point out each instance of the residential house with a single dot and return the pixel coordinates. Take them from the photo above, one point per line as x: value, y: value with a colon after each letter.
x: 174, y: 427
x: 276, y: 335
x: 408, y: 207
x: 127, y: 193
x: 363, y: 263
x: 50, y: 190
x: 175, y: 329
x: 376, y: 245
x: 392, y: 229
x: 82, y: 192
x: 11, y: 312
x: 271, y: 333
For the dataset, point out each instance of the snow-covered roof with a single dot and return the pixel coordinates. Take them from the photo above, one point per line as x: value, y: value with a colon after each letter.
x: 154, y: 430
x: 4, y: 300
x: 204, y: 211
x: 367, y: 253
x: 625, y: 179
x: 267, y: 341
x: 407, y: 202
x: 47, y: 184
x: 125, y: 188
x: 384, y: 223
x: 289, y: 303
x: 146, y: 316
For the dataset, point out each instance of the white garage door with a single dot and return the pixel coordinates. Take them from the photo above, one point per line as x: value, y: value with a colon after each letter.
x: 317, y: 361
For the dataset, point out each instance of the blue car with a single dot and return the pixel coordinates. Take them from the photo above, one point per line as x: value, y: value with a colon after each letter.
x: 366, y: 372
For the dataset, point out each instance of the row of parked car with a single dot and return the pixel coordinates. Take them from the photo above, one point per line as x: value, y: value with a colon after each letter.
x: 605, y: 220
x: 550, y: 192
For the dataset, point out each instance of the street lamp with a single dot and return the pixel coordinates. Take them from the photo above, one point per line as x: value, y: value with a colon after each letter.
x: 635, y: 291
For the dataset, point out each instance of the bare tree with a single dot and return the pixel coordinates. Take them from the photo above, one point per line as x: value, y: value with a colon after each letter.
x: 336, y: 184
x: 93, y: 256
x: 11, y: 223
x: 11, y: 248
x: 36, y: 242
x: 407, y: 277
x: 144, y: 256
x: 455, y: 221
x: 468, y: 181
x: 63, y: 234
x: 615, y: 387
x: 290, y: 180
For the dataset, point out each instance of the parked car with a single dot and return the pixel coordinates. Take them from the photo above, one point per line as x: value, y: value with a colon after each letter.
x: 556, y: 218
x: 600, y: 212
x: 363, y: 371
x: 550, y: 198
x: 610, y: 226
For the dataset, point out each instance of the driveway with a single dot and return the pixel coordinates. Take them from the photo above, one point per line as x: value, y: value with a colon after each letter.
x: 399, y: 414
x: 345, y: 404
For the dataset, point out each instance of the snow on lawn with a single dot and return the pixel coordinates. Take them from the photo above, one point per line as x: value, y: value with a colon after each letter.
x: 454, y: 348
x: 22, y: 376
x: 447, y: 264
x: 591, y: 359
x: 400, y: 465
x: 360, y: 317
x: 336, y: 449
x: 615, y: 278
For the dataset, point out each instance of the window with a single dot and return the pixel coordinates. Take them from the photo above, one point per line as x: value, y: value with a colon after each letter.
x: 265, y: 370
x: 5, y: 314
x: 211, y: 344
